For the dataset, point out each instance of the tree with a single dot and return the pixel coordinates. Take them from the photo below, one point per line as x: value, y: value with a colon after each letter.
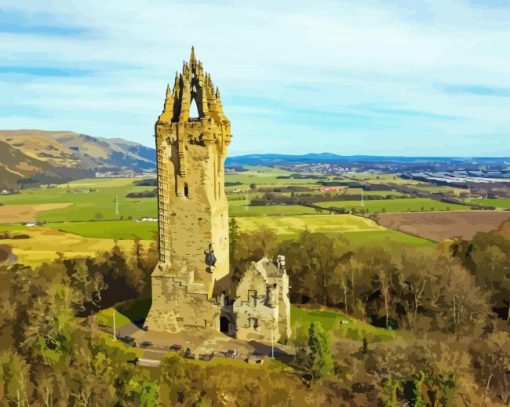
x: 22, y: 182
x: 320, y: 358
x: 253, y: 186
x: 311, y: 264
x: 5, y: 253
x: 149, y: 394
x: 489, y: 260
x: 233, y: 236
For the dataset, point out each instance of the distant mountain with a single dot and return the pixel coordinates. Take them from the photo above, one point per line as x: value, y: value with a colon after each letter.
x: 60, y: 156
x: 314, y: 158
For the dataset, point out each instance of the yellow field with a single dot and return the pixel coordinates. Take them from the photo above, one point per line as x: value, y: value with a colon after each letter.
x: 291, y: 225
x: 44, y: 243
x: 26, y: 213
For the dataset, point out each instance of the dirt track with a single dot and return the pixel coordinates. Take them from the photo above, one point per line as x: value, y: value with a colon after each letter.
x: 26, y: 213
x: 439, y: 226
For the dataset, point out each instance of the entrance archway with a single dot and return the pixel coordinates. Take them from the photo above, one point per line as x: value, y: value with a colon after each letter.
x: 224, y: 325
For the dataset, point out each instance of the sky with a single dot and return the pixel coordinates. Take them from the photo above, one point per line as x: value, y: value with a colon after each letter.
x: 409, y: 78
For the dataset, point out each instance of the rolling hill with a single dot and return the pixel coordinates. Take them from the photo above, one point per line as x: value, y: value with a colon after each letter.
x: 60, y: 156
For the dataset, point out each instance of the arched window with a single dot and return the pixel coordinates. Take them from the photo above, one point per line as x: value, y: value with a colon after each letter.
x: 193, y: 111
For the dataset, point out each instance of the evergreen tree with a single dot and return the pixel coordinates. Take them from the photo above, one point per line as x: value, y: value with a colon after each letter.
x: 233, y: 231
x: 320, y: 361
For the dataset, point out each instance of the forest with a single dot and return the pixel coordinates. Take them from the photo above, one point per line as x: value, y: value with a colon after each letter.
x: 449, y: 310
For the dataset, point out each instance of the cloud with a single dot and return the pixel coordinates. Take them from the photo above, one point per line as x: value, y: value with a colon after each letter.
x: 346, y: 76
x: 477, y: 90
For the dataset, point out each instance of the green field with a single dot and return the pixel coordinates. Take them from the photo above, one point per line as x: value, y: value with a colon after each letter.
x: 90, y: 199
x: 293, y: 225
x: 497, y: 203
x: 394, y: 205
x: 391, y: 240
x: 281, y: 225
x: 379, y: 178
x: 266, y: 179
x: 121, y: 229
x: 269, y: 210
x: 92, y: 210
x: 360, y: 231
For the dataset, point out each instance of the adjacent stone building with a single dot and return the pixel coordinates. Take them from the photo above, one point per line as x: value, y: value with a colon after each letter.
x: 191, y: 285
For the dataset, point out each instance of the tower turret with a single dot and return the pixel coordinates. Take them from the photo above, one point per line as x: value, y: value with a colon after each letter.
x: 193, y: 209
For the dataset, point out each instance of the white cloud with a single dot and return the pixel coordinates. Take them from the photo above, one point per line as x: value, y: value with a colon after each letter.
x: 332, y: 57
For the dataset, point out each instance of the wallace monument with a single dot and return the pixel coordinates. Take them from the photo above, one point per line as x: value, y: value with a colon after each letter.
x: 191, y: 285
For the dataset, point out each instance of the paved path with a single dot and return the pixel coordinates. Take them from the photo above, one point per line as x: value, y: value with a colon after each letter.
x: 199, y: 341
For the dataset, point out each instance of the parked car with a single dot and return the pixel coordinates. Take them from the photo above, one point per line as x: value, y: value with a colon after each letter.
x: 232, y: 353
x: 206, y: 358
x: 128, y: 339
x: 146, y: 344
x: 176, y: 347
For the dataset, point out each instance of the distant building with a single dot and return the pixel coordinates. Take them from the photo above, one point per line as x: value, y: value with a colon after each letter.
x: 191, y: 285
x: 329, y: 189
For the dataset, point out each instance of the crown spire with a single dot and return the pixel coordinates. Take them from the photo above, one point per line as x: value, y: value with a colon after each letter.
x: 192, y: 57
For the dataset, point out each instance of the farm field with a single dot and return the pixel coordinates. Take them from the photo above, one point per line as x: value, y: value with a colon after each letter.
x: 121, y: 229
x: 88, y: 199
x: 437, y: 188
x: 269, y: 210
x: 44, y: 244
x: 440, y: 226
x: 358, y: 230
x: 392, y: 240
x: 267, y: 179
x: 293, y: 225
x: 26, y: 213
x: 394, y: 205
x: 497, y: 203
x: 380, y: 178
x: 86, y: 209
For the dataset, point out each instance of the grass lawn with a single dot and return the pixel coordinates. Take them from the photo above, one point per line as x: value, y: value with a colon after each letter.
x: 395, y: 205
x: 330, y: 321
x: 125, y: 313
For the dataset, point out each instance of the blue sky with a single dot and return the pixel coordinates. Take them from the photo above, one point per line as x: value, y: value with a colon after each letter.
x: 350, y: 77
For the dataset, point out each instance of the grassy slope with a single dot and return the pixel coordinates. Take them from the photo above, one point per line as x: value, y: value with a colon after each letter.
x: 330, y: 321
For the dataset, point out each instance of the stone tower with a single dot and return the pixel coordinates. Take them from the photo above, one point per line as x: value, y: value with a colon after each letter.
x: 192, y: 135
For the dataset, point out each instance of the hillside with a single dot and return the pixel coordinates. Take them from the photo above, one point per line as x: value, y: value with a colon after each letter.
x: 60, y: 156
